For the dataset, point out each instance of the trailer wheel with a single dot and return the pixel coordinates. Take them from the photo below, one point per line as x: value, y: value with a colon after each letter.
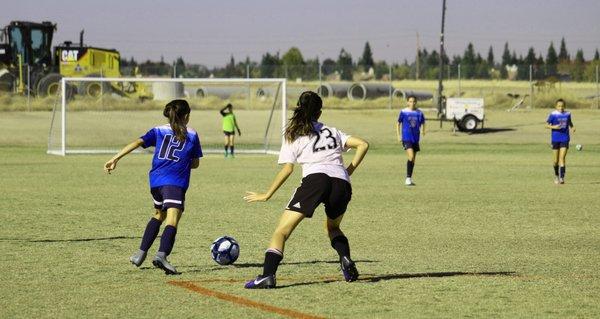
x: 468, y: 123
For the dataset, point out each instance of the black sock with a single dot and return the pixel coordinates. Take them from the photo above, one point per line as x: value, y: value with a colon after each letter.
x: 150, y: 234
x: 561, y: 171
x: 226, y: 149
x: 231, y: 147
x: 341, y: 245
x: 410, y: 165
x: 556, y: 170
x: 272, y: 260
x: 167, y: 240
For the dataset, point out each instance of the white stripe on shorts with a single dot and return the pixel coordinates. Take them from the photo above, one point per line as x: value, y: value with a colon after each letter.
x: 156, y: 203
x: 172, y: 201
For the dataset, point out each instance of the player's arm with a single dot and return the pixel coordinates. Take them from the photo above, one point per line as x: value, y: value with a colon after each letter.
x: 195, y: 163
x: 571, y: 125
x: 361, y: 147
x: 112, y: 163
x: 552, y: 127
x: 398, y: 124
x: 284, y: 173
x: 236, y: 126
x: 423, y: 129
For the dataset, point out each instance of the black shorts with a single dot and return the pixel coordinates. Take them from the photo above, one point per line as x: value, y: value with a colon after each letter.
x: 559, y: 145
x: 334, y: 193
x: 168, y: 196
x: 414, y: 146
x: 228, y: 133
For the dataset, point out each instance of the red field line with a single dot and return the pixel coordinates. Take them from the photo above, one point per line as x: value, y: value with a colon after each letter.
x: 242, y: 301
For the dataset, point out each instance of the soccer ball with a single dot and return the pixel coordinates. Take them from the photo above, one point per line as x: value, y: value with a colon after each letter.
x: 579, y: 147
x: 225, y: 250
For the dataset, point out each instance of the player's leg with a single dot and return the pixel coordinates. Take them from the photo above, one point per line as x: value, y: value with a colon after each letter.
x: 410, y: 164
x: 562, y: 163
x: 335, y: 207
x: 274, y: 254
x: 231, y: 144
x: 555, y: 156
x: 174, y: 198
x: 226, y: 144
x: 152, y: 229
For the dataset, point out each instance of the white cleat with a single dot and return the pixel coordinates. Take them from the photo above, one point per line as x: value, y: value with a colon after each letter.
x: 409, y: 182
x: 556, y: 180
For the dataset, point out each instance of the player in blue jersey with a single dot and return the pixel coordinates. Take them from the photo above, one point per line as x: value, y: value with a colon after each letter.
x: 177, y: 151
x: 412, y: 122
x: 559, y: 121
x: 326, y: 180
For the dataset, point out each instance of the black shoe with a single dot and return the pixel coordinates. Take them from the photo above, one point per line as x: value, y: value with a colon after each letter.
x: 261, y: 282
x: 348, y: 269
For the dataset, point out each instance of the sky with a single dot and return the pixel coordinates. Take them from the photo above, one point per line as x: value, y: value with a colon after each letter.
x: 209, y: 32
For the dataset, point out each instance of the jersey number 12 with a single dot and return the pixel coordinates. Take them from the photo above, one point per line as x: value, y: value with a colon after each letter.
x: 168, y: 148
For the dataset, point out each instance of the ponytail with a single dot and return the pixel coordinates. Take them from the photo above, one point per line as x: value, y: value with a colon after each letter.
x: 176, y: 111
x: 308, y: 110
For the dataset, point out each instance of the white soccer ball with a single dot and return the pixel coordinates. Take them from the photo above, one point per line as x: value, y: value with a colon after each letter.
x: 579, y: 147
x: 225, y: 250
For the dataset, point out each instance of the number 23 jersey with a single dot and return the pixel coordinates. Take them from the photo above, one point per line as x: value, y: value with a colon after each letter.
x: 318, y: 153
x: 171, y: 164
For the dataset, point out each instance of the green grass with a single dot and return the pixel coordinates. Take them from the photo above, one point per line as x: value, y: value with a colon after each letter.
x: 484, y: 234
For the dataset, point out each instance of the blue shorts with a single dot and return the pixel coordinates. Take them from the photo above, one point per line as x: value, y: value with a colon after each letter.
x: 414, y: 146
x: 559, y: 145
x: 168, y: 196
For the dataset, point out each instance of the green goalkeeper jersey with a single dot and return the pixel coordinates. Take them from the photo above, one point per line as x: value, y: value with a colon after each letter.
x: 229, y: 122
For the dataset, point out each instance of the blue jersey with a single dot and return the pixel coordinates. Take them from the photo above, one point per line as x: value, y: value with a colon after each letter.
x: 563, y: 119
x: 411, y: 121
x: 171, y: 164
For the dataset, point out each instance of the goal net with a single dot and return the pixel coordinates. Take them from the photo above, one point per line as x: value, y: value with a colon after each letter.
x: 101, y: 115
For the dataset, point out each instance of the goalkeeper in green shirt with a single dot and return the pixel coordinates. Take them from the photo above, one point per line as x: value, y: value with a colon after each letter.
x: 229, y: 127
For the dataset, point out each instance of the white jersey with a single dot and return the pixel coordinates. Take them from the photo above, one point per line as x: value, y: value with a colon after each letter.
x: 320, y: 153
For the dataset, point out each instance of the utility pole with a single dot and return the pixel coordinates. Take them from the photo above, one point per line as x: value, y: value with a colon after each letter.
x: 441, y: 64
x: 418, y: 56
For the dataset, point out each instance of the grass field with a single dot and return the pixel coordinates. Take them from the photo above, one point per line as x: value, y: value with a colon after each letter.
x: 485, y: 233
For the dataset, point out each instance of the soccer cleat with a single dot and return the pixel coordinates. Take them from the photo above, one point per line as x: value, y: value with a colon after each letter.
x: 349, y: 269
x: 556, y: 180
x: 261, y: 282
x: 138, y: 258
x: 163, y: 263
x: 409, y: 182
x: 561, y: 180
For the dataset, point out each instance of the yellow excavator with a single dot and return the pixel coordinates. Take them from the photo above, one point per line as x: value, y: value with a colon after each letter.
x: 28, y: 64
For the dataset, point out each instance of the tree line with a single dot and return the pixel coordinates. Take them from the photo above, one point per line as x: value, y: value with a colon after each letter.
x: 471, y: 65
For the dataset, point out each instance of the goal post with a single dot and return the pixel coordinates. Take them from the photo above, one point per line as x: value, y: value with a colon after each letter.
x: 100, y: 115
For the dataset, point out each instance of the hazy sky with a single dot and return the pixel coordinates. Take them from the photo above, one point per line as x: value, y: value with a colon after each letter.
x: 208, y: 32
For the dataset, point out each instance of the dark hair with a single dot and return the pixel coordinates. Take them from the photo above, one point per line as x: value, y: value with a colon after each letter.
x: 561, y: 100
x: 176, y: 111
x: 308, y: 110
x: 411, y: 96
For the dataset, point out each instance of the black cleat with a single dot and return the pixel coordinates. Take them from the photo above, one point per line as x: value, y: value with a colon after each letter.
x: 348, y: 269
x: 261, y: 282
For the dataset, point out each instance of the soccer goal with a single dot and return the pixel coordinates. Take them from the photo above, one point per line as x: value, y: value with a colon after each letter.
x: 101, y: 115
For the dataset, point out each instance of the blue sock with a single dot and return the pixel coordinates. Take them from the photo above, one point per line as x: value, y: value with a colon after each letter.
x: 562, y: 170
x: 150, y: 234
x: 167, y: 240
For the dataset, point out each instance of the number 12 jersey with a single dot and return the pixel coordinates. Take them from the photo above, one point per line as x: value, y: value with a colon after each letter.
x: 171, y: 164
